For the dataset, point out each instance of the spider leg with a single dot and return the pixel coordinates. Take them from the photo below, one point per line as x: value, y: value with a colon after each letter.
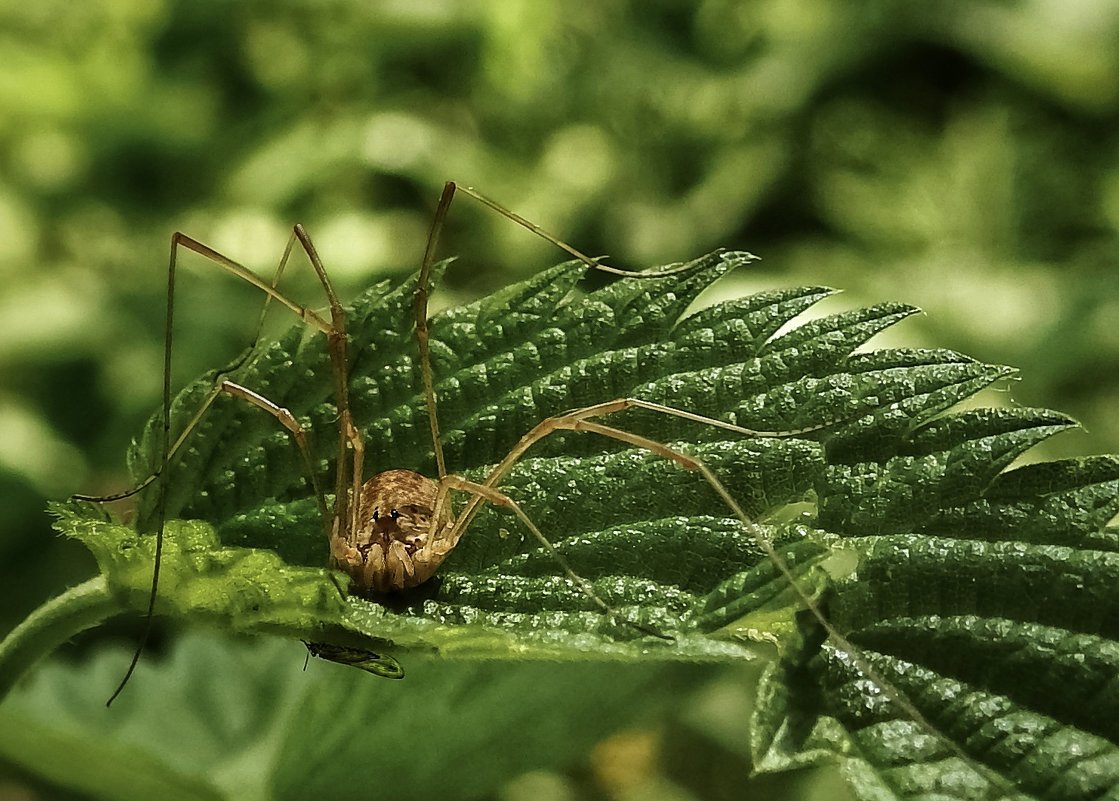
x: 423, y: 289
x: 583, y: 420
x: 444, y: 541
x: 578, y: 420
x: 559, y: 243
x: 288, y: 421
x: 336, y: 336
x: 498, y: 498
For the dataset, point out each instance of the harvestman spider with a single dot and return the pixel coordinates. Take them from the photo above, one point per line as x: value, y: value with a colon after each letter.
x: 393, y: 531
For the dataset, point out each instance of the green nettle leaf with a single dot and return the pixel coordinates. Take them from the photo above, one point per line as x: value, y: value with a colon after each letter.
x: 973, y: 603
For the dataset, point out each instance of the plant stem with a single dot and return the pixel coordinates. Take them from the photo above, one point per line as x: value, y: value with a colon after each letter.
x: 56, y: 621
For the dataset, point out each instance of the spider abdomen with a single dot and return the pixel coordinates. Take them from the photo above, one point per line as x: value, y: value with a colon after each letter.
x: 395, y: 545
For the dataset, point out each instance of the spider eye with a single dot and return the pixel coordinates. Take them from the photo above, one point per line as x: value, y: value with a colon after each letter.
x: 395, y: 514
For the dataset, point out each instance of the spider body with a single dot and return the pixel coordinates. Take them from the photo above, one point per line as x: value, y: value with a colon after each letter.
x: 399, y: 539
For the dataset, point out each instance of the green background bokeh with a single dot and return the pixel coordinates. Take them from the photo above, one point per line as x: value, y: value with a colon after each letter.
x: 961, y: 156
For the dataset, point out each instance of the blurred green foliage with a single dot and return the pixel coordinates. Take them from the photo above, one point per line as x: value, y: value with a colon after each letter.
x: 962, y: 156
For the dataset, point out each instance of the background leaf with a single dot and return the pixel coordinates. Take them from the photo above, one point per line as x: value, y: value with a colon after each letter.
x: 243, y: 720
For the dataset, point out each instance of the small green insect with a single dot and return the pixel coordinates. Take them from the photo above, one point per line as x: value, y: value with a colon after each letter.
x: 378, y: 664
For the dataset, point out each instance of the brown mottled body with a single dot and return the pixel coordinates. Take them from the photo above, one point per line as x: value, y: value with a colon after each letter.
x: 395, y: 546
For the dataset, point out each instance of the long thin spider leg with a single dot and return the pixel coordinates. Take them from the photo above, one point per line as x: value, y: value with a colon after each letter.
x: 276, y: 276
x: 498, y: 498
x: 603, y: 409
x: 357, y: 444
x: 166, y: 450
x: 660, y: 408
x: 161, y: 497
x: 419, y: 304
x: 423, y: 291
x: 283, y: 415
x: 349, y: 438
x: 188, y: 429
x: 245, y: 357
x: 543, y: 234
x: 179, y: 239
x: 579, y: 421
x: 298, y: 433
x: 119, y: 496
x: 232, y: 368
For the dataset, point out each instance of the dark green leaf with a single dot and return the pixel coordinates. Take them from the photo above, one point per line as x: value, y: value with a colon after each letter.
x: 971, y: 603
